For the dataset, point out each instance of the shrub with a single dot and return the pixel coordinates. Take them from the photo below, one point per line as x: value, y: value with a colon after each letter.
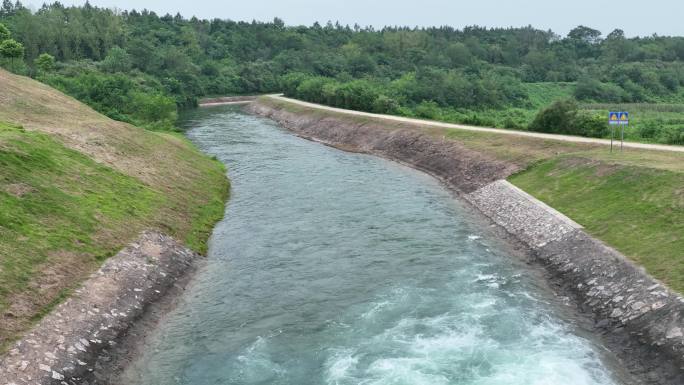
x: 356, y: 95
x: 156, y: 109
x: 311, y: 89
x: 45, y: 62
x: 290, y: 82
x: 556, y: 117
x: 385, y: 105
x: 650, y: 129
x: 428, y: 110
x: 592, y: 89
x: 591, y: 125
x: 672, y: 135
x: 564, y: 117
x: 117, y: 60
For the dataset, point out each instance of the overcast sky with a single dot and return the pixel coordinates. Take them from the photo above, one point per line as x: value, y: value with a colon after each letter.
x: 663, y: 17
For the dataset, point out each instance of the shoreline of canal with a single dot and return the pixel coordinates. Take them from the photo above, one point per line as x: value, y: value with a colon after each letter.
x: 638, y: 318
x: 104, y: 323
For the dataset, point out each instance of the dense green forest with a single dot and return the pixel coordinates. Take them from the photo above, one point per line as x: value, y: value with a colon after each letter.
x: 139, y: 67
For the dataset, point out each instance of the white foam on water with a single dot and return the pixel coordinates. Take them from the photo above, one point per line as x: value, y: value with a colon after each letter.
x: 464, y: 347
x: 490, y: 280
x: 377, y: 307
x: 485, y: 303
x: 486, y: 278
x: 339, y: 366
x: 254, y: 366
x: 449, y: 345
x: 545, y: 368
x: 404, y: 371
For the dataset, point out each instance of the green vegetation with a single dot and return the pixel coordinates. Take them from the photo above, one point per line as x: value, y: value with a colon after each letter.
x: 638, y: 210
x: 11, y: 51
x: 117, y: 96
x: 125, y: 64
x: 55, y: 200
x: 564, y: 117
x: 75, y: 187
x: 649, y: 122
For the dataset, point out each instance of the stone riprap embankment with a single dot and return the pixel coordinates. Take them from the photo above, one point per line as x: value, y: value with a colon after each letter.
x: 64, y: 346
x: 640, y: 319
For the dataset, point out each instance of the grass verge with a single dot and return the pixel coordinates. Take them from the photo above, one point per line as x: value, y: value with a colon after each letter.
x: 75, y: 187
x: 637, y: 210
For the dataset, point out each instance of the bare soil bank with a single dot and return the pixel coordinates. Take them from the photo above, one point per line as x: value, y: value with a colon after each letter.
x: 639, y: 319
x: 66, y: 345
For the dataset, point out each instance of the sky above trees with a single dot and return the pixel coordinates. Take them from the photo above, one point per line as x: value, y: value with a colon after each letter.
x: 635, y: 17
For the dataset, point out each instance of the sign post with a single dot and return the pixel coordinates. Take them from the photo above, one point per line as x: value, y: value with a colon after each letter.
x: 624, y: 121
x: 618, y: 118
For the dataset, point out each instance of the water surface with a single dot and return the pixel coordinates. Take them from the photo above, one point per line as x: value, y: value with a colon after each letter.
x: 338, y: 268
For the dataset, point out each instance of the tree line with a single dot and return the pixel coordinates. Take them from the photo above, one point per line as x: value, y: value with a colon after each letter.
x: 141, y: 67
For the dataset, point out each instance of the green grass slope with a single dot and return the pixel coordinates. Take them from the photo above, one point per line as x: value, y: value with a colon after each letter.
x: 75, y: 187
x: 638, y: 210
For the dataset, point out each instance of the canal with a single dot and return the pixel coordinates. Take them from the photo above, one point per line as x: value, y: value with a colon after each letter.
x: 339, y: 268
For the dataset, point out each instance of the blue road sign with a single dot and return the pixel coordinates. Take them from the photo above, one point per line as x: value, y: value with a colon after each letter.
x: 618, y: 118
x: 614, y: 118
x: 624, y: 118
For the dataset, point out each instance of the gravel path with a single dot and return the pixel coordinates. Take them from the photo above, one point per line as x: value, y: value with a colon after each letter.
x: 565, y: 138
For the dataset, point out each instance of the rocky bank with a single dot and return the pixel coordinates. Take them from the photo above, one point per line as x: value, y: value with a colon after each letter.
x: 65, y: 346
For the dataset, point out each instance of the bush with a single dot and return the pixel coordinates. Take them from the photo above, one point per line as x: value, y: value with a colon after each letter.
x: 479, y: 120
x: 385, y: 105
x: 357, y: 95
x: 513, y: 124
x: 564, y: 117
x: 591, y: 125
x: 556, y: 117
x: 428, y: 110
x: 153, y: 110
x: 672, y: 135
x: 650, y: 130
x: 117, y: 60
x: 45, y: 62
x: 290, y: 82
x: 119, y: 96
x: 311, y: 89
x: 592, y: 89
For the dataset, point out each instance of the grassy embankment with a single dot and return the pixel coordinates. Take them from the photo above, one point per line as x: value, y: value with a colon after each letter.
x: 633, y: 201
x: 75, y: 187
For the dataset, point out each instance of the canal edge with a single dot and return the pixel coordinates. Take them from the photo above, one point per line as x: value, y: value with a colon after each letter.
x: 67, y: 345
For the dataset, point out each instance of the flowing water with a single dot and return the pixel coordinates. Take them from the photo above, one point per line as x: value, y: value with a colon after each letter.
x: 338, y: 268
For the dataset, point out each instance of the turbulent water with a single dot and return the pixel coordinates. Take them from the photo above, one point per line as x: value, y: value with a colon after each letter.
x: 338, y: 268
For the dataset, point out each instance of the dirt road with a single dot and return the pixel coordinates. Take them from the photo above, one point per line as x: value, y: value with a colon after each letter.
x: 566, y: 138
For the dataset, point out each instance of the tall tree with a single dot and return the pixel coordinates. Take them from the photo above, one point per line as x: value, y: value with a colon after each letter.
x: 4, y: 33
